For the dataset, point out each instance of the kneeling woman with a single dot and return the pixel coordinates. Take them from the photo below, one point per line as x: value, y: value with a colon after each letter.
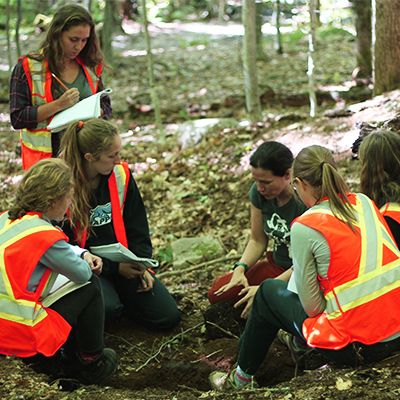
x: 33, y: 253
x: 346, y: 267
x: 108, y: 208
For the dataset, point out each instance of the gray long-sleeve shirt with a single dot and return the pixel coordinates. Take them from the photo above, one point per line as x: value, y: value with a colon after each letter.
x: 64, y: 259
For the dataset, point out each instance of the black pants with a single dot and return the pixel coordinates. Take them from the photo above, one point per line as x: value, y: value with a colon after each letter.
x: 83, y: 309
x: 155, y: 309
x: 275, y: 308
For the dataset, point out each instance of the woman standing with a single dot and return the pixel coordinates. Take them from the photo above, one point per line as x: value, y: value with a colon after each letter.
x: 67, y: 68
x: 380, y: 175
x: 33, y: 253
x: 346, y: 267
x: 108, y: 208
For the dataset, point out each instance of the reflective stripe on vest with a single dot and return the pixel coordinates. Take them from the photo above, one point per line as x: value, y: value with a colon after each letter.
x: 15, y: 309
x: 372, y: 279
x: 36, y: 143
x: 356, y: 285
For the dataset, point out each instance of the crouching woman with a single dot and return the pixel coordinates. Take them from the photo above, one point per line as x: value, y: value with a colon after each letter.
x: 32, y: 254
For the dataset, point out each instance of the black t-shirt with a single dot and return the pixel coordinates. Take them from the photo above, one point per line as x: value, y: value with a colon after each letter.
x: 102, y: 229
x: 394, y: 228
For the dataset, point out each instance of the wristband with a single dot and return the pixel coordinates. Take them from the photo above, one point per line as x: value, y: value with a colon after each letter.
x: 240, y: 264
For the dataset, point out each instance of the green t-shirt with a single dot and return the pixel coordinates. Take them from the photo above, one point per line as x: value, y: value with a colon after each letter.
x: 276, y: 221
x: 81, y: 83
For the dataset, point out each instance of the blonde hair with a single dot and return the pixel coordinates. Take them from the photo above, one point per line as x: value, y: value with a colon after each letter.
x: 44, y: 183
x: 316, y: 166
x: 94, y: 136
x: 380, y: 167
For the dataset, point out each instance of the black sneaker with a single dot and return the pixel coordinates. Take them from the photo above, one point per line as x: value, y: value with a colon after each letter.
x: 100, y: 370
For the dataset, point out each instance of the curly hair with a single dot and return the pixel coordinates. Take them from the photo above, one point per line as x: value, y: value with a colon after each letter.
x: 315, y: 165
x: 43, y: 184
x: 65, y: 18
x: 380, y: 167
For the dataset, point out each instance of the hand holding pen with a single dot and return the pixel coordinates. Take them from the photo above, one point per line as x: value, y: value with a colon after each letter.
x: 69, y: 97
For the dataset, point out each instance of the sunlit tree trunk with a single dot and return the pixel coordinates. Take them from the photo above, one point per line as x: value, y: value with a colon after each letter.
x: 150, y: 70
x: 278, y: 37
x: 249, y: 60
x: 107, y: 31
x: 17, y: 25
x: 9, y: 51
x: 386, y: 39
x: 221, y: 10
x: 313, y: 21
x: 310, y: 70
x: 362, y: 12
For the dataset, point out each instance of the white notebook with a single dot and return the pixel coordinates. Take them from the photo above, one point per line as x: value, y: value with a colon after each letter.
x: 85, y: 109
x: 119, y: 253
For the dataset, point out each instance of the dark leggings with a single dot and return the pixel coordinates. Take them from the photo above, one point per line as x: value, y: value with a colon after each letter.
x: 83, y: 309
x: 275, y: 308
x: 155, y: 309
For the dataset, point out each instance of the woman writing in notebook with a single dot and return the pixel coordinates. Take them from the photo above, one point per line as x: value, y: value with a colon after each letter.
x: 66, y: 69
x: 33, y: 253
x: 108, y: 208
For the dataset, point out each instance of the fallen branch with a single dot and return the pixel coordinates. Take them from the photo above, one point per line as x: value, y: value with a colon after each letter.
x: 157, y: 353
x: 196, y: 267
x: 229, y: 333
x: 128, y: 343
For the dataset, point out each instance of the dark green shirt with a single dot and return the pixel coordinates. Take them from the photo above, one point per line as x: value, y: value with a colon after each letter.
x: 276, y: 221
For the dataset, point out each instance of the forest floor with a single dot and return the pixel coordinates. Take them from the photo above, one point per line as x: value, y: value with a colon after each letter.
x: 202, y: 190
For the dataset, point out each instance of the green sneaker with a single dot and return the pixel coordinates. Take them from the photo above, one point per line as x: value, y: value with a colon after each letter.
x: 225, y: 381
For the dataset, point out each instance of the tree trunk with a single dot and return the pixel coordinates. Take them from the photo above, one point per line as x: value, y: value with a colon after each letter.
x: 278, y: 37
x: 150, y: 70
x: 107, y: 31
x: 386, y: 39
x: 313, y: 21
x: 8, y: 35
x: 17, y: 25
x: 259, y: 35
x: 311, y: 48
x: 362, y: 12
x: 249, y: 60
x: 221, y: 10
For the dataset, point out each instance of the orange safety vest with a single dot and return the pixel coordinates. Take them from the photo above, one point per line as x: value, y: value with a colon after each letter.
x: 391, y: 210
x: 362, y: 287
x: 26, y: 327
x: 36, y: 143
x: 118, y: 186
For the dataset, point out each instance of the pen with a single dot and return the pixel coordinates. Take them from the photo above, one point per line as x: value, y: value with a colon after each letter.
x: 59, y: 81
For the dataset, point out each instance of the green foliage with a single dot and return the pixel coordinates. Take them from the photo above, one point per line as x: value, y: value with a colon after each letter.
x: 293, y: 37
x: 331, y: 32
x: 164, y: 255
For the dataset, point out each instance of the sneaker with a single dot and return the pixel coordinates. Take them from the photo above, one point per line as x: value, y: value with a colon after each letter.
x: 100, y: 370
x: 223, y: 380
x: 297, y: 350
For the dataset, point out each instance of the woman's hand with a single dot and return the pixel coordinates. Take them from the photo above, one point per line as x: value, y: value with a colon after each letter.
x: 238, y: 278
x: 249, y: 292
x: 146, y: 282
x: 95, y: 262
x: 130, y: 271
x: 68, y: 98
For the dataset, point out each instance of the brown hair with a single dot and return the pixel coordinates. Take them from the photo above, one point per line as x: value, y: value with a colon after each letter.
x: 315, y: 165
x: 94, y: 136
x: 379, y: 154
x: 44, y: 183
x: 65, y: 18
